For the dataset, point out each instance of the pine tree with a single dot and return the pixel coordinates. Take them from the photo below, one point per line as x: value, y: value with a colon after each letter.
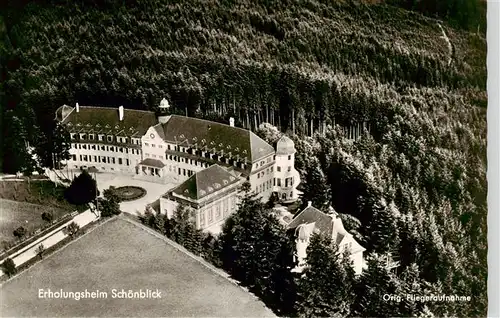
x: 315, y: 187
x: 383, y: 229
x: 256, y: 250
x: 375, y: 282
x: 325, y: 288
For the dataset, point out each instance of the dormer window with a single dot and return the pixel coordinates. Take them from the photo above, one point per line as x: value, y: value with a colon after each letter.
x: 203, y: 141
x: 225, y: 182
x: 186, y: 191
x: 73, y: 136
x: 210, y: 189
x: 110, y: 138
x: 91, y: 136
x: 217, y: 186
x: 117, y: 126
x: 83, y: 136
x: 203, y: 192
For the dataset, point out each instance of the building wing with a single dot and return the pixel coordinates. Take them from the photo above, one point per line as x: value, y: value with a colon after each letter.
x: 106, y: 120
x: 215, y: 137
x: 206, y: 182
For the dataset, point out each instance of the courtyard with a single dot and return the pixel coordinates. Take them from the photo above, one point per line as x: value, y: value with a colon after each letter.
x: 120, y: 255
x: 153, y: 190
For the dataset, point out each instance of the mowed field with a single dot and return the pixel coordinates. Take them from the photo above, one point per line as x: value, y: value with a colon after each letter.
x: 15, y: 214
x: 123, y: 256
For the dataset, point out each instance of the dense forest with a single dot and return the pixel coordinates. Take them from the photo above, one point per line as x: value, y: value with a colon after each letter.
x: 412, y: 85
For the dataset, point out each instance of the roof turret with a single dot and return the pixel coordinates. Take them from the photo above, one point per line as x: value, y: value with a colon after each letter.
x: 285, y: 146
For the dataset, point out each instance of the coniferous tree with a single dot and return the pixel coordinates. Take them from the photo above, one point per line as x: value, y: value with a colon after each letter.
x: 375, y: 282
x: 53, y: 146
x: 315, y: 187
x: 257, y: 251
x: 326, y: 286
x: 383, y: 229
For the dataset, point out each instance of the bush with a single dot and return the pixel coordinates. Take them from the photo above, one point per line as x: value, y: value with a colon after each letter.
x: 8, y: 267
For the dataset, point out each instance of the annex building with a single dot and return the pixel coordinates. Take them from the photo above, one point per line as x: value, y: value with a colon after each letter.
x: 311, y: 220
x: 207, y: 160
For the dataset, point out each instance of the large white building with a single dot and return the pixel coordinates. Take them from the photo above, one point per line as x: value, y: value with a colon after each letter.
x: 179, y: 149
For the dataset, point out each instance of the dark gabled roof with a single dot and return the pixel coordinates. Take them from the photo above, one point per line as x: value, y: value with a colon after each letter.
x: 152, y: 163
x: 206, y: 182
x: 106, y: 120
x: 237, y: 141
x: 312, y: 215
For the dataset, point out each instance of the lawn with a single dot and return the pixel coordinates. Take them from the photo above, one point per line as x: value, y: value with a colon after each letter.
x: 15, y: 214
x: 123, y: 256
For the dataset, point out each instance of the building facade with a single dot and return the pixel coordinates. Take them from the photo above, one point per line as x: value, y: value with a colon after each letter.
x: 105, y: 138
x: 167, y: 148
x: 211, y: 195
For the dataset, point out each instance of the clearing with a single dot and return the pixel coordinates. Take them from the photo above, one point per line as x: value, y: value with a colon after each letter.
x: 123, y: 256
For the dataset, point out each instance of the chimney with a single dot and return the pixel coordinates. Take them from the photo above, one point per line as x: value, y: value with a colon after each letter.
x: 231, y: 122
x: 120, y: 112
x: 309, y: 204
x: 77, y: 108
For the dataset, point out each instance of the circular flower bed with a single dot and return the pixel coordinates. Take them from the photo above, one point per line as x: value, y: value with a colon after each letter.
x: 129, y: 193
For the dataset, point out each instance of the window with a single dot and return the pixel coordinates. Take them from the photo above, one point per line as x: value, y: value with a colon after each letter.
x: 153, y: 145
x: 95, y: 158
x: 183, y: 172
x: 112, y: 149
x: 103, y: 159
x: 91, y: 136
x: 146, y: 144
x: 217, y: 212
x: 258, y: 175
x: 161, y: 157
x: 153, y: 155
x: 160, y: 146
x: 274, y: 181
x: 73, y: 136
x: 120, y: 161
x: 83, y: 136
x: 121, y: 149
x: 168, y: 147
x: 128, y: 162
x: 74, y: 157
x: 93, y: 147
x: 279, y: 182
x: 100, y: 137
x: 110, y: 138
x: 113, y: 160
x: 289, y: 168
x: 225, y: 207
x: 271, y: 169
x: 103, y: 148
x: 278, y: 168
x: 146, y: 155
x: 289, y: 157
x: 202, y: 218
x: 210, y: 215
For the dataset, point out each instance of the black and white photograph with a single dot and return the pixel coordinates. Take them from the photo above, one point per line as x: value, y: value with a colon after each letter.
x: 247, y: 158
